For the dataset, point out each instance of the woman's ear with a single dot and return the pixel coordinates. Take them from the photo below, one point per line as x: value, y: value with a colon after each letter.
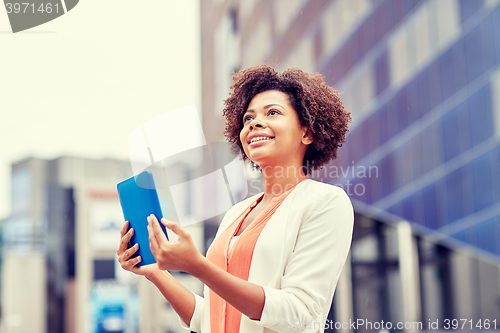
x: 307, y: 137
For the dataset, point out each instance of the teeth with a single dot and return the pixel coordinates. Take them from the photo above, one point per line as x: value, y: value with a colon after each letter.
x: 260, y: 138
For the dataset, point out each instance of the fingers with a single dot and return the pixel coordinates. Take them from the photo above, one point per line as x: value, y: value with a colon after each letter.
x: 124, y: 258
x: 125, y: 241
x: 153, y: 243
x: 130, y: 265
x: 135, y: 269
x: 164, y: 221
x: 156, y: 229
x: 135, y: 261
x: 124, y: 228
x: 130, y: 252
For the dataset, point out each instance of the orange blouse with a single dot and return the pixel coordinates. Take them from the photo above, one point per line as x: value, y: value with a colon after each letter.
x: 223, y: 316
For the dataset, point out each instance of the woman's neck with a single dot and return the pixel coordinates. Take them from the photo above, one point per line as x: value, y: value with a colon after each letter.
x: 279, y: 179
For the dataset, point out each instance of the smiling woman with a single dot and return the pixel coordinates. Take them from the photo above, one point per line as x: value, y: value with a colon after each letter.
x: 277, y: 255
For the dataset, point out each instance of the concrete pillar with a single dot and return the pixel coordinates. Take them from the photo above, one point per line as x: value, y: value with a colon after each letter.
x: 344, y: 311
x: 409, y: 272
x: 84, y: 268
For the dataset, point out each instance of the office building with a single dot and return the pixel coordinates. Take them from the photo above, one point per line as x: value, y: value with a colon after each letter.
x: 422, y: 81
x: 59, y: 268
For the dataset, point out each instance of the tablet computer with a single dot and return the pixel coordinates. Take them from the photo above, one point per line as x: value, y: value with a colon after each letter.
x: 139, y: 199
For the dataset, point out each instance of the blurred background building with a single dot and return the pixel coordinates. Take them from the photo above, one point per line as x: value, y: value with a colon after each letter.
x: 59, y: 270
x: 422, y: 80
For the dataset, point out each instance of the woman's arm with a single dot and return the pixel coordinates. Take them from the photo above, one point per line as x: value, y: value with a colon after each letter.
x: 182, y: 300
x: 310, y: 275
x: 183, y: 256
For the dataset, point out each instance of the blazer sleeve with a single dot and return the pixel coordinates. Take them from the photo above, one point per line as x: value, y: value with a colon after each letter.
x: 196, y: 318
x: 314, y: 267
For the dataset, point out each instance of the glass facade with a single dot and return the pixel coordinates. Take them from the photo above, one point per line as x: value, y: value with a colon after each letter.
x: 432, y: 134
x: 375, y: 272
x: 421, y: 79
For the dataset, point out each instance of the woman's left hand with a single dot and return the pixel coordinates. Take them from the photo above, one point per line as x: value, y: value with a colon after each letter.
x: 179, y: 256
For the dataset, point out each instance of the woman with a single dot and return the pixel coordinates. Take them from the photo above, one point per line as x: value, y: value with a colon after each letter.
x: 277, y: 256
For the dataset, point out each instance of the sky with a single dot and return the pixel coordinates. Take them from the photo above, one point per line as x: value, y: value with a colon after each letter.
x: 79, y: 85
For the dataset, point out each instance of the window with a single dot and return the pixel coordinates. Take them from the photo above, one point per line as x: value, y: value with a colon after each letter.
x: 460, y: 65
x: 381, y: 73
x: 448, y: 23
x: 469, y: 194
x: 104, y: 269
x: 451, y: 134
x: 488, y: 41
x: 469, y: 8
x: 430, y: 206
x: 423, y: 92
x: 455, y: 196
x: 448, y: 86
x: 488, y: 232
x: 387, y: 172
x: 398, y: 56
x: 474, y: 54
x: 483, y: 190
x: 495, y: 181
x: 416, y: 151
x: 435, y: 281
x: 408, y: 211
x: 21, y: 190
x: 376, y: 282
x: 480, y: 116
x: 464, y: 126
x: 495, y: 100
x: 435, y: 97
x: 413, y: 99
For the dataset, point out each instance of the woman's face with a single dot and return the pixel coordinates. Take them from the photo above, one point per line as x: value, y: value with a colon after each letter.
x: 272, y: 134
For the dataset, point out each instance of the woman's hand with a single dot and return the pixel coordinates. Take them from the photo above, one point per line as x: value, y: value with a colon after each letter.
x: 125, y: 253
x: 181, y: 299
x: 179, y: 256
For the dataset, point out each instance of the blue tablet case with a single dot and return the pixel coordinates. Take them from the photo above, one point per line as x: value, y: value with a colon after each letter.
x: 139, y: 199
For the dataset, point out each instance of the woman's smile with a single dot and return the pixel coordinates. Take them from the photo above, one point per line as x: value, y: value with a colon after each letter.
x: 258, y: 141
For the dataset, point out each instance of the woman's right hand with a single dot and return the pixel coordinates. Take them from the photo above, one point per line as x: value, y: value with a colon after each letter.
x: 125, y: 255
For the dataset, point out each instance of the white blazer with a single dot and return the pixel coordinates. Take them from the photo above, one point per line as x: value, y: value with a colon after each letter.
x: 297, y: 260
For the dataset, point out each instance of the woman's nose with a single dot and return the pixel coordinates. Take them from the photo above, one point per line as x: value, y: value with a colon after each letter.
x: 256, y: 123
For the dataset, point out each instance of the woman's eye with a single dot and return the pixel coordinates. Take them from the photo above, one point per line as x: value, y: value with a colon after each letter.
x: 249, y: 117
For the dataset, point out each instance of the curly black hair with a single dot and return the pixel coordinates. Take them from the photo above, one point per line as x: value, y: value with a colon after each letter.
x: 318, y: 107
